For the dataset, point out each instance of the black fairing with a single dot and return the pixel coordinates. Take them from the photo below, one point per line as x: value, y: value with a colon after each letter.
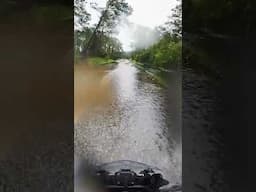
x: 134, y: 177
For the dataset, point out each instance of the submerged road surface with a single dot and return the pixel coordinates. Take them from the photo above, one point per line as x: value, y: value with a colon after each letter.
x: 133, y: 126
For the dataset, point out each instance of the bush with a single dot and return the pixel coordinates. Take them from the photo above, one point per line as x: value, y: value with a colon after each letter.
x: 164, y: 54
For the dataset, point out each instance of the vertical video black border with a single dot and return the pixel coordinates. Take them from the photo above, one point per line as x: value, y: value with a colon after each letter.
x: 217, y: 82
x: 36, y: 56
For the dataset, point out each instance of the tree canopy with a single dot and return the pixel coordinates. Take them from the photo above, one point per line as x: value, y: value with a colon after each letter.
x: 98, y: 40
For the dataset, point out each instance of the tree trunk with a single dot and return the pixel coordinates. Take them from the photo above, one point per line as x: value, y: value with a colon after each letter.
x: 87, y: 47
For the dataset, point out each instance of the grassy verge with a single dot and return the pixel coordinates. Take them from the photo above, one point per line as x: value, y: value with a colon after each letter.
x: 152, y: 74
x: 95, y: 61
x: 100, y: 61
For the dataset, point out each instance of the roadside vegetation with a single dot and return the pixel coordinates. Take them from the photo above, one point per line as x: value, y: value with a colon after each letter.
x: 100, y: 60
x: 97, y: 43
x: 165, y: 54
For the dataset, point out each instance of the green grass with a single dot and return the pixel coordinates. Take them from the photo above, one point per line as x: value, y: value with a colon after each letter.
x: 153, y: 74
x: 100, y: 61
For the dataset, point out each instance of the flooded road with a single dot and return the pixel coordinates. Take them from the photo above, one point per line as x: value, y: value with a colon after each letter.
x: 134, y: 125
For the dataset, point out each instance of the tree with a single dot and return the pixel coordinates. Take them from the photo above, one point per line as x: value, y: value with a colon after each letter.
x: 80, y: 38
x: 82, y: 17
x: 174, y: 24
x: 176, y: 21
x: 108, y: 20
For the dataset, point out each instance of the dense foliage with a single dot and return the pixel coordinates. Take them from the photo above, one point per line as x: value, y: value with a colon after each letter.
x: 102, y: 46
x: 99, y: 40
x: 166, y: 53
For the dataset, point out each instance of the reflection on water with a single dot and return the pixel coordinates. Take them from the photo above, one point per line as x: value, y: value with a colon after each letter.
x: 132, y: 126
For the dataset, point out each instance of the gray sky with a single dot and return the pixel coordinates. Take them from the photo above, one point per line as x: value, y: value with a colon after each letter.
x: 149, y: 13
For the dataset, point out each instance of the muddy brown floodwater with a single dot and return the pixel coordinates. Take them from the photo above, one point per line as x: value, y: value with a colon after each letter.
x: 89, y: 88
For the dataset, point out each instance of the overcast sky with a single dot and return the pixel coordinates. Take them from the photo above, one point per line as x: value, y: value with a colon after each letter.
x: 149, y: 13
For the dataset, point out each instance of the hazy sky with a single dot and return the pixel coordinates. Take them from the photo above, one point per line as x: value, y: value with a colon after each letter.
x: 150, y: 13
